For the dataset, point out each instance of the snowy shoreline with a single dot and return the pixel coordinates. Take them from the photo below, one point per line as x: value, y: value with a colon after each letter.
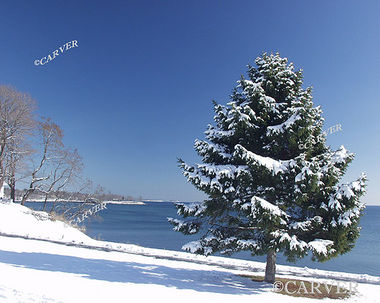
x: 60, y: 233
x: 228, y: 263
x: 26, y: 235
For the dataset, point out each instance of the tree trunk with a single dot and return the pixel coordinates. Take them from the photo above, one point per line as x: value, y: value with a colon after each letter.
x: 270, y: 269
x: 27, y: 193
x: 13, y: 191
x: 2, y: 180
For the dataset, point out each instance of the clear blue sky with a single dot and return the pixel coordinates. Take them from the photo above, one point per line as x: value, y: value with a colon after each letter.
x: 137, y: 91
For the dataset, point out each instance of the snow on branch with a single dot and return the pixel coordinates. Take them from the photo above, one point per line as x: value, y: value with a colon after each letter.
x: 305, y: 225
x: 190, y: 209
x: 248, y: 245
x: 223, y: 171
x: 293, y: 242
x: 346, y: 218
x: 204, y: 148
x: 193, y: 246
x: 317, y: 246
x: 341, y: 155
x: 320, y: 246
x: 196, y: 247
x: 272, y: 209
x: 187, y: 227
x: 212, y: 133
x: 240, y: 116
x: 263, y: 209
x: 275, y: 166
x: 249, y: 87
x: 280, y: 128
x: 306, y: 171
x: 210, y: 176
x: 218, y: 171
x: 350, y: 191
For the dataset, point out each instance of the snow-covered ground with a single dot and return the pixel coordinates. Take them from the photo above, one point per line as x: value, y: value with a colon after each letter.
x: 48, y: 261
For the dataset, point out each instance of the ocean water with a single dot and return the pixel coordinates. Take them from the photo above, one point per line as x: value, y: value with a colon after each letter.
x: 146, y: 225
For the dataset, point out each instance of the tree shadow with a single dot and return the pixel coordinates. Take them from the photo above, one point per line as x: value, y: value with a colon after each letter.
x: 139, y: 273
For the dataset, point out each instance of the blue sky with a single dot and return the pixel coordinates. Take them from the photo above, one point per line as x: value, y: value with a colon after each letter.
x: 137, y: 91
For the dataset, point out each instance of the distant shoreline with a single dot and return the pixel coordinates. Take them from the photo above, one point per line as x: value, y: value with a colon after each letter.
x: 79, y: 201
x: 125, y: 202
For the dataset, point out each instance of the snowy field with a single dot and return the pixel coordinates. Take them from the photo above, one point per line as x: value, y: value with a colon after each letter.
x: 47, y: 261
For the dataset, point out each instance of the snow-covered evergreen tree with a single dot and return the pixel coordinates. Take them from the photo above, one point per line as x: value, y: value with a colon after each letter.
x: 266, y: 193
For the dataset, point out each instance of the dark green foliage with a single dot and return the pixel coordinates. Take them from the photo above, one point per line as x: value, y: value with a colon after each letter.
x: 272, y: 182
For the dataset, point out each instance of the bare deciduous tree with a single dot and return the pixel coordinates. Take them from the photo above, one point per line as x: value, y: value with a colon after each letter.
x: 16, y: 166
x: 65, y: 169
x: 49, y: 169
x: 16, y: 124
x: 47, y: 162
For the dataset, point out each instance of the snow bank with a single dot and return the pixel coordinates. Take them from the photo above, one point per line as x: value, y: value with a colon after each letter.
x: 19, y: 220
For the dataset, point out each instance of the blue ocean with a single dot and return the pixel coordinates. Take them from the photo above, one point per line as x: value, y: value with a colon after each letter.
x: 146, y: 225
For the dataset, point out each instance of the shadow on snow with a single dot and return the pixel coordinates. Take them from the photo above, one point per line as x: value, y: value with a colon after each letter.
x: 132, y: 272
